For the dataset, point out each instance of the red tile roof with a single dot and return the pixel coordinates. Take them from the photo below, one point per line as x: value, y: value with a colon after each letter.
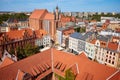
x: 84, y: 65
x: 67, y: 19
x: 20, y: 75
x: 41, y: 13
x: 26, y: 65
x: 49, y: 16
x: 93, y: 41
x: 115, y: 76
x: 6, y: 61
x: 18, y: 34
x: 103, y: 44
x: 57, y: 61
x: 40, y: 33
x: 113, y: 46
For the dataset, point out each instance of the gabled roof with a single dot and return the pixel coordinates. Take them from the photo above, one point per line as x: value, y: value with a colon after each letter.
x: 27, y: 64
x: 7, y: 61
x: 49, y: 16
x: 52, y: 60
x: 11, y: 56
x: 12, y: 20
x: 20, y: 75
x: 93, y: 41
x: 84, y: 65
x: 6, y: 54
x: 38, y: 13
x: 18, y: 34
x: 40, y: 33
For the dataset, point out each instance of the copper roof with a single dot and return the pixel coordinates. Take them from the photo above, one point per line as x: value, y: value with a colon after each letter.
x: 58, y: 62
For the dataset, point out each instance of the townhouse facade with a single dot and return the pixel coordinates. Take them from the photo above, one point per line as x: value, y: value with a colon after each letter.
x: 112, y: 55
x: 107, y: 54
x: 90, y: 49
x: 42, y: 38
x: 97, y: 47
x: 74, y: 42
x: 63, y: 34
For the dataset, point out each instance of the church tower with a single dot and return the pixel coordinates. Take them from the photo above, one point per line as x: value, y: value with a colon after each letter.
x: 57, y: 17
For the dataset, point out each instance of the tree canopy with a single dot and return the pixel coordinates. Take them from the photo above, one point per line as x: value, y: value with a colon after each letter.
x: 5, y: 17
x: 28, y: 50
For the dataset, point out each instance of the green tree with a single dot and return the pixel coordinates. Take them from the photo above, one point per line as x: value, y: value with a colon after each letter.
x: 20, y: 53
x: 82, y: 29
x: 69, y: 75
x: 5, y: 17
x: 28, y: 50
x: 12, y: 51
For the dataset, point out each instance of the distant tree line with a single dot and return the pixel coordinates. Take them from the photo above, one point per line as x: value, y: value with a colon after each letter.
x: 5, y: 17
x: 98, y: 16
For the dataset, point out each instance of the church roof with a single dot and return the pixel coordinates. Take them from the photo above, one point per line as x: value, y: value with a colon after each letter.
x: 41, y: 14
x: 58, y: 62
x: 49, y: 16
x: 38, y: 13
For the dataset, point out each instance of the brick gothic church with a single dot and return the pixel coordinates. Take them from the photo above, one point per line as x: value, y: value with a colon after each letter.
x: 42, y: 19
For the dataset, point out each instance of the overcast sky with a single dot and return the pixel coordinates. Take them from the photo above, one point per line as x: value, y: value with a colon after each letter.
x: 64, y: 5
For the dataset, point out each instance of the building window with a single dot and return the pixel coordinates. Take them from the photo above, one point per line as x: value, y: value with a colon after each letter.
x: 106, y: 55
x: 113, y: 62
x: 91, y: 50
x: 110, y: 57
x: 110, y: 53
x: 109, y: 61
x: 113, y: 58
x: 102, y: 59
x: 106, y: 60
x: 99, y: 58
x: 114, y: 54
x: 107, y: 51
